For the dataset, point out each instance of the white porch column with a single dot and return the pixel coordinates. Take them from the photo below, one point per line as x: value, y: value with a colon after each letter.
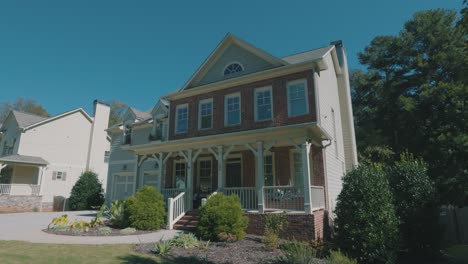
x: 190, y: 161
x: 2, y: 166
x: 306, y: 166
x: 39, y: 178
x: 260, y: 177
x: 220, y: 160
x: 159, y: 160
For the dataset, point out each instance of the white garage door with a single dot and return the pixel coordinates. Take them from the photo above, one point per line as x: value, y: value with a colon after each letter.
x: 123, y: 186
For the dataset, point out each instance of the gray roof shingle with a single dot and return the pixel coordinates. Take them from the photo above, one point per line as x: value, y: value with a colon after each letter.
x: 25, y: 119
x: 307, y: 55
x: 139, y: 114
x: 23, y: 159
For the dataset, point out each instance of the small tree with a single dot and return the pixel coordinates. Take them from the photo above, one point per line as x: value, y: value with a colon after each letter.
x: 87, y: 193
x: 366, y: 225
x: 145, y: 210
x: 222, y: 216
x: 416, y: 204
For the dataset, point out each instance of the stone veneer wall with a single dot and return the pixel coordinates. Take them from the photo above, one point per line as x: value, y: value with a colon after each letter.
x: 20, y: 203
x: 302, y: 227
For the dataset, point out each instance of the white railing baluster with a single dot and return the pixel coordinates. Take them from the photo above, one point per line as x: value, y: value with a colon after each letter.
x: 247, y: 196
x: 176, y: 209
x: 20, y: 189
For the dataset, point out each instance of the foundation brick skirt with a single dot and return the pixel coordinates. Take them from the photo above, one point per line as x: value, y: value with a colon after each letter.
x: 301, y: 226
x: 20, y: 203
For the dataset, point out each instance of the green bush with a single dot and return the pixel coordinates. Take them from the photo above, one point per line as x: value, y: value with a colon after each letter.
x: 116, y: 214
x: 336, y: 257
x: 366, y: 225
x: 415, y: 202
x: 145, y: 210
x: 162, y: 248
x: 274, y: 225
x: 87, y: 193
x: 185, y: 240
x: 297, y: 252
x: 222, y: 214
x: 128, y: 231
x: 105, y: 230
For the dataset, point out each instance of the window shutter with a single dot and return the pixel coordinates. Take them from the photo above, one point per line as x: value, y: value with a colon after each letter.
x: 64, y: 176
x: 54, y: 175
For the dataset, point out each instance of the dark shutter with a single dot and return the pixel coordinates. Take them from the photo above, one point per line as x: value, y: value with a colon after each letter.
x: 64, y: 176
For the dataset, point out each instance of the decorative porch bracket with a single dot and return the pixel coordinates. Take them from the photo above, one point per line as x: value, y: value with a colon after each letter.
x: 220, y: 157
x: 190, y: 158
x: 305, y: 149
x: 259, y: 154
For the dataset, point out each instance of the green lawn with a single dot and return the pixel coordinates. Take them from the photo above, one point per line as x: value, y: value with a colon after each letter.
x: 459, y: 252
x: 23, y: 252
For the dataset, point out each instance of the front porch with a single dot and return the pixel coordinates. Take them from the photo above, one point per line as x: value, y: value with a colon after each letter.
x: 21, y: 175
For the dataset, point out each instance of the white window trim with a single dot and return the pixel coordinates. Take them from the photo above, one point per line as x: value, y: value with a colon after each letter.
x: 267, y: 88
x: 57, y: 175
x: 228, y: 64
x: 226, y: 97
x: 198, y: 170
x: 291, y: 167
x: 272, y: 154
x: 125, y: 174
x: 209, y: 100
x: 306, y: 94
x: 174, y: 172
x: 177, y: 118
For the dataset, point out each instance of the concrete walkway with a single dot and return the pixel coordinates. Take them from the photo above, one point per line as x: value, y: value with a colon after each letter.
x: 28, y: 227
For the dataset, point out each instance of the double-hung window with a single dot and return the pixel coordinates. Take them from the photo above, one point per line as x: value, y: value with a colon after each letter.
x: 297, y: 98
x: 263, y: 104
x: 268, y: 171
x: 205, y: 114
x: 181, y: 119
x: 232, y: 112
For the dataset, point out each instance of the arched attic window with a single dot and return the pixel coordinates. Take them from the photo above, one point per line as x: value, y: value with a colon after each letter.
x: 233, y: 68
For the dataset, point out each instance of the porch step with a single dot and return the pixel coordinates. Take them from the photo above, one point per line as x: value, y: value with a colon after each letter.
x: 188, y: 222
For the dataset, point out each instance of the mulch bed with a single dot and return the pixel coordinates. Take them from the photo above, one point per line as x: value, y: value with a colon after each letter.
x: 95, y: 232
x: 250, y: 250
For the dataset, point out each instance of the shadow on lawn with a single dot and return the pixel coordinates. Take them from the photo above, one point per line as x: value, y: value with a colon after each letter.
x: 131, y: 259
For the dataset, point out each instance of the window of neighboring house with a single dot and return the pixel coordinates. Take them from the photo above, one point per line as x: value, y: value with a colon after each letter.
x: 180, y: 174
x: 106, y: 156
x: 335, y: 142
x: 233, y: 68
x: 297, y: 98
x: 205, y: 114
x: 268, y: 171
x: 181, y: 119
x: 263, y: 104
x: 127, y: 134
x: 59, y: 175
x: 232, y: 112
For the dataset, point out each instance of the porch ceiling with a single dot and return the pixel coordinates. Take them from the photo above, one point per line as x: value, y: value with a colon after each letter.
x: 278, y: 135
x: 22, y: 159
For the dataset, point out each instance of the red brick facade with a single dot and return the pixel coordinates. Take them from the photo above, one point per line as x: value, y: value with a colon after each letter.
x: 280, y: 107
x: 302, y: 227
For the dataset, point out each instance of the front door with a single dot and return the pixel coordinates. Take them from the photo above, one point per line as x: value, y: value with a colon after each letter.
x: 233, y: 173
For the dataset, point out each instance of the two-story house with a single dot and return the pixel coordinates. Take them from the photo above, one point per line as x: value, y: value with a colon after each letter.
x: 277, y: 132
x: 43, y: 157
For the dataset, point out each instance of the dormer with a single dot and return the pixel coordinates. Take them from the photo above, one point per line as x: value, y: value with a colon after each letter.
x: 160, y: 128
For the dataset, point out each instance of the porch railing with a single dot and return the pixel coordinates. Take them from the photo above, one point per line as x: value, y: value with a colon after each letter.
x: 283, y: 198
x: 20, y: 189
x: 248, y: 196
x: 317, y: 194
x: 177, y: 208
x: 171, y: 193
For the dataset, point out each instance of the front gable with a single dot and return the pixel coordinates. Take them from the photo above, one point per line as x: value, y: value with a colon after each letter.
x: 160, y: 110
x: 232, y: 50
x: 129, y: 117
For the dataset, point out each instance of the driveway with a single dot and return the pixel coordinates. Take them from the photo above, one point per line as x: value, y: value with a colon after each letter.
x: 28, y: 227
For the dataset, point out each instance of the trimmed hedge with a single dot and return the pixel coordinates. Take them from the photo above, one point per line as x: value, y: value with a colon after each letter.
x: 222, y: 217
x: 366, y: 224
x: 87, y: 193
x: 145, y: 210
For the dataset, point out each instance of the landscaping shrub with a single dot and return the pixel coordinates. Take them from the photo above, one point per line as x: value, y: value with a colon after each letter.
x: 105, y: 230
x: 297, y: 252
x: 274, y: 225
x: 222, y: 214
x: 162, y: 248
x: 145, y: 210
x: 87, y: 193
x: 366, y: 224
x: 59, y: 221
x: 415, y: 203
x: 336, y: 257
x: 116, y: 214
x: 128, y: 231
x: 185, y: 240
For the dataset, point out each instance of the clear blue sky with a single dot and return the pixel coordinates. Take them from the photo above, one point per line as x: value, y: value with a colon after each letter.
x: 65, y: 54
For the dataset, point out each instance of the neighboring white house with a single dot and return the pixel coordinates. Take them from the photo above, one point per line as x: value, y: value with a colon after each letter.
x: 41, y: 158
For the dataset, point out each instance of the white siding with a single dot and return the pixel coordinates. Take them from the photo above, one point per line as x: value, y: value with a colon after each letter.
x: 328, y: 99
